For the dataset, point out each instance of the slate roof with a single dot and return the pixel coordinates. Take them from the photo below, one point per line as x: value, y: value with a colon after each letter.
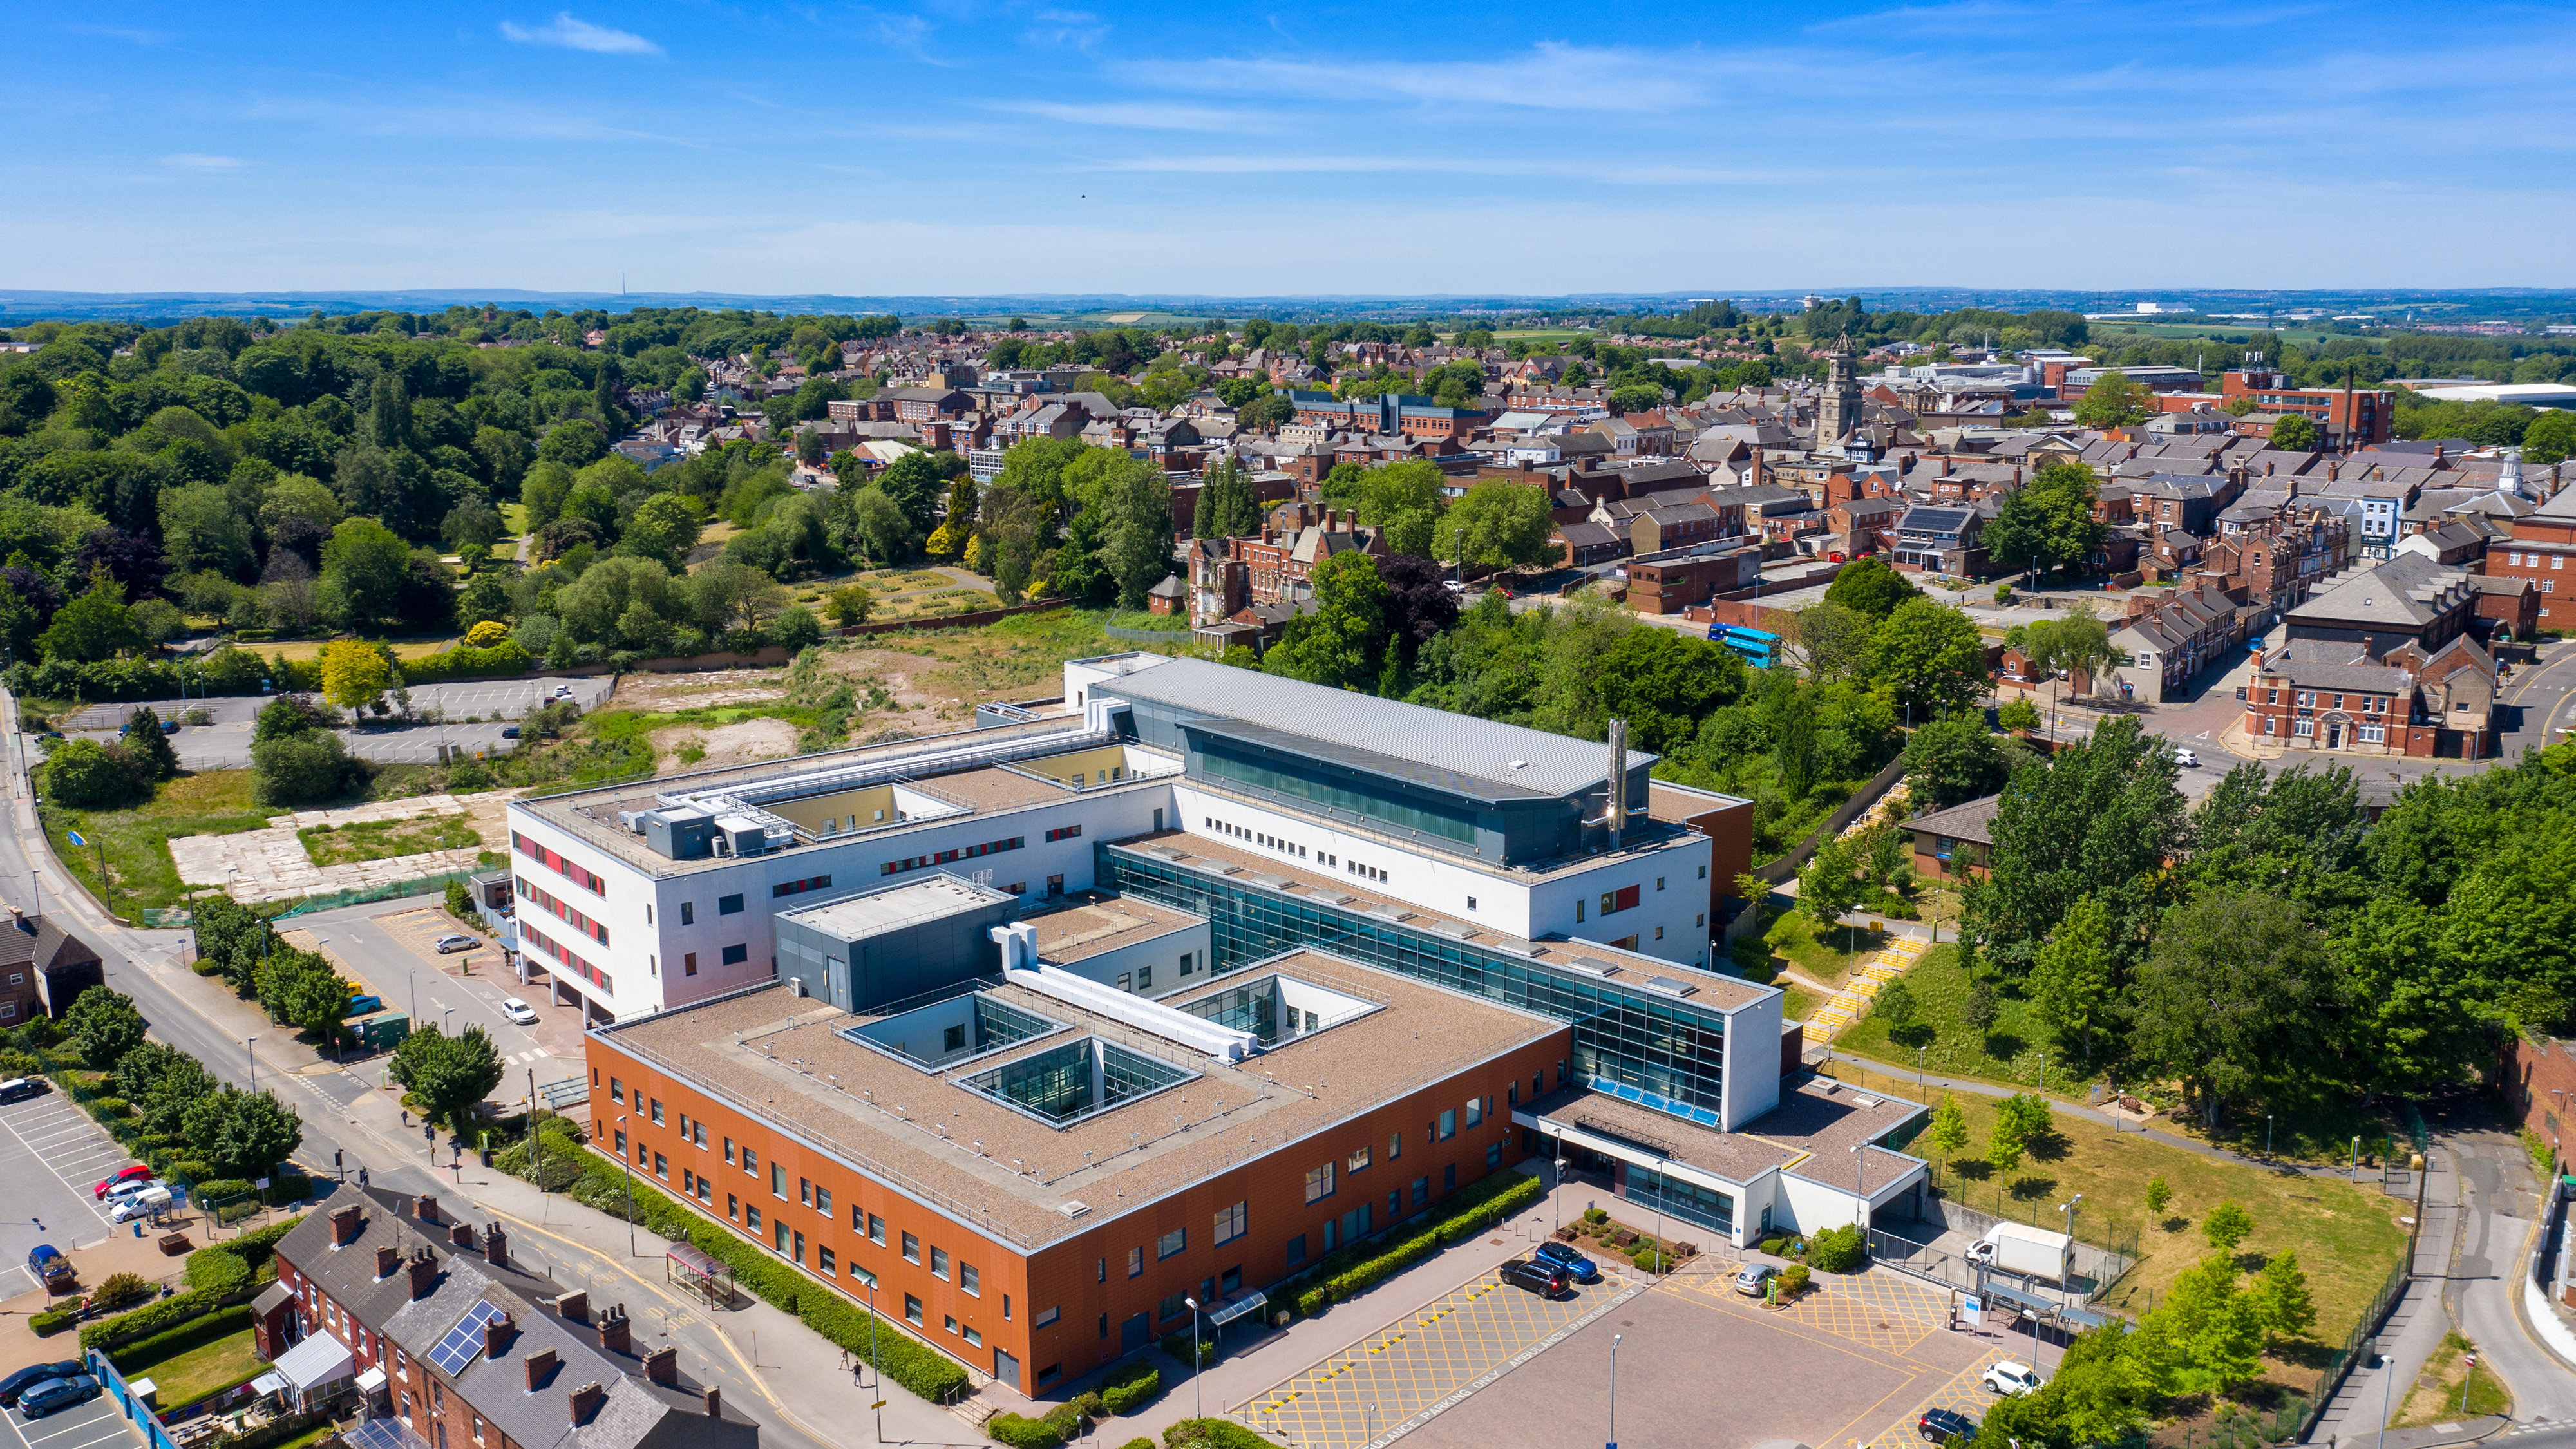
x: 1972, y: 822
x: 2408, y: 590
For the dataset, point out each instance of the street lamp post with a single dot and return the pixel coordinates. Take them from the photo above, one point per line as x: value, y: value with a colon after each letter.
x: 1198, y: 1390
x: 625, y: 1160
x: 876, y: 1366
x: 1860, y: 1194
x: 1560, y: 1192
x: 1613, y: 1441
x: 253, y: 1057
x: 2267, y: 1134
x: 2068, y: 1207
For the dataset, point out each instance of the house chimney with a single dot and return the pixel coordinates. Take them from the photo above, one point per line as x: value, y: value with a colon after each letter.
x: 616, y: 1331
x: 425, y: 1208
x: 573, y: 1307
x: 496, y: 1335
x: 460, y: 1235
x: 496, y: 1245
x: 540, y: 1366
x: 344, y: 1226
x: 586, y: 1401
x: 388, y: 1258
x: 715, y: 1402
x: 662, y: 1366
x: 424, y: 1274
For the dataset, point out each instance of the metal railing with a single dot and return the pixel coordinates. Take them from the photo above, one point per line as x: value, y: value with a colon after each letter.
x: 2356, y: 1344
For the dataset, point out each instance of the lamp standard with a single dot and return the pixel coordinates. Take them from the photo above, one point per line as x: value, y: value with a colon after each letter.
x: 623, y: 1160
x: 1613, y: 1441
x: 2267, y: 1134
x: 253, y: 1057
x: 1860, y: 1194
x: 1560, y: 1192
x: 2068, y: 1207
x: 1198, y: 1390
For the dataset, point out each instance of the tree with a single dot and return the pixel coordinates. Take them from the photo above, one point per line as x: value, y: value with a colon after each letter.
x: 243, y: 1134
x: 104, y: 1026
x: 2550, y: 438
x: 1949, y: 1127
x: 2075, y: 642
x: 147, y: 748
x: 2281, y: 1299
x: 2071, y: 980
x: 2048, y: 524
x: 913, y: 483
x: 87, y: 775
x: 291, y: 714
x: 303, y: 769
x: 94, y: 626
x: 1894, y: 1003
x: 664, y: 528
x: 2097, y: 1396
x: 1228, y: 504
x: 1341, y: 644
x: 2159, y: 1196
x: 1871, y: 588
x: 203, y: 529
x: 795, y: 629
x: 1405, y: 500
x: 1952, y: 760
x: 2236, y: 987
x: 574, y: 442
x: 2018, y: 714
x: 355, y: 673
x: 957, y: 523
x: 2113, y: 402
x: 1419, y: 605
x: 1980, y: 1008
x: 2102, y: 818
x: 300, y: 989
x: 1930, y: 656
x: 162, y: 1082
x: 364, y: 566
x: 1136, y: 505
x: 1828, y: 886
x: 2227, y: 1225
x: 2295, y: 433
x: 1498, y: 524
x: 1832, y: 639
x: 450, y: 1075
x: 878, y: 531
x: 850, y: 604
x: 2006, y: 1141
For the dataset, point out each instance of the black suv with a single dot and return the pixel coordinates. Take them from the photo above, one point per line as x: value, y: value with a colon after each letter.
x: 1946, y: 1426
x: 1547, y: 1280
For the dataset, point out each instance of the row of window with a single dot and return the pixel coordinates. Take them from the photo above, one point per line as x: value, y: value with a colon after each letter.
x: 2307, y: 699
x: 1064, y: 832
x: 596, y: 930
x: 568, y: 960
x: 2532, y: 561
x: 799, y: 887
x: 917, y: 862
x: 553, y: 860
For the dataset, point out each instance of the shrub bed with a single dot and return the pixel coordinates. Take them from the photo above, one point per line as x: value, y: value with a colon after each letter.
x: 1131, y: 1388
x: 47, y: 1324
x: 170, y: 1312
x: 171, y: 1342
x: 1356, y: 1269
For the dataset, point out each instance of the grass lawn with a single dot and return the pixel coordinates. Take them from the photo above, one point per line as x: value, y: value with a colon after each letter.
x: 1793, y: 939
x: 1017, y: 657
x: 2436, y: 1397
x: 137, y: 841
x: 2347, y: 1237
x: 2008, y: 1054
x: 300, y: 649
x: 383, y: 839
x: 1147, y: 619
x: 185, y: 1378
x: 955, y: 599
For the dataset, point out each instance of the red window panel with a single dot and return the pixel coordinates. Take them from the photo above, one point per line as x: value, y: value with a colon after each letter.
x: 1626, y: 899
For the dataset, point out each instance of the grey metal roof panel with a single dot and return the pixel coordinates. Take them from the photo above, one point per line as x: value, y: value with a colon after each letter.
x: 1533, y: 761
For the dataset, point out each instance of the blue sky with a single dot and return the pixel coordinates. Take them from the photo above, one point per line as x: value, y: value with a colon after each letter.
x: 969, y: 147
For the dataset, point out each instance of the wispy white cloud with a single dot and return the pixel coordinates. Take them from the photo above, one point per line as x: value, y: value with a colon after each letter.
x: 199, y: 161
x: 1578, y: 168
x: 1552, y: 76
x: 1144, y: 116
x: 451, y: 114
x: 129, y: 36
x: 572, y: 33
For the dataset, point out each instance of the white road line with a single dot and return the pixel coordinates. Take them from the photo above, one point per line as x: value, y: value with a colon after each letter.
x: 49, y: 1167
x: 88, y: 1426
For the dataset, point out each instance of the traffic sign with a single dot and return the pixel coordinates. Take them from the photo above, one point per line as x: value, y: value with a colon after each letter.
x: 74, y: 837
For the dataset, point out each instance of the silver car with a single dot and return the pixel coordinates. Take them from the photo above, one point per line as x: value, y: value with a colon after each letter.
x: 455, y: 942
x: 1755, y: 1279
x: 519, y: 1012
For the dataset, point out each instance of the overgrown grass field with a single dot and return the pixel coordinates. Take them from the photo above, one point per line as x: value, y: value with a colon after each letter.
x: 385, y: 839
x: 136, y: 841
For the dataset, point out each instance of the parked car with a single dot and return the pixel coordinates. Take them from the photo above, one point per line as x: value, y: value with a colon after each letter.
x: 511, y: 733
x: 16, y: 1385
x: 1946, y: 1426
x: 2011, y: 1379
x: 132, y: 1188
x: 519, y: 1011
x: 456, y: 941
x: 364, y: 1006
x: 1754, y: 1281
x: 54, y: 1394
x: 19, y: 1089
x: 1578, y: 1267
x: 47, y: 1265
x: 1981, y: 1252
x: 563, y: 691
x: 137, y: 1173
x: 2186, y: 757
x: 144, y: 1204
x: 1544, y: 1279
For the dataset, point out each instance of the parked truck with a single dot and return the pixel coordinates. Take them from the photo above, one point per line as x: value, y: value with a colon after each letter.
x: 378, y: 1030
x: 2024, y: 1252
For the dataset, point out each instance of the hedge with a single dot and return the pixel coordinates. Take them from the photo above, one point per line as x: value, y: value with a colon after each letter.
x: 218, y: 1272
x: 1213, y: 1434
x: 1356, y: 1269
x: 905, y: 1359
x: 152, y: 1318
x: 259, y: 1245
x: 170, y: 1342
x: 1131, y: 1388
x: 47, y: 1324
x: 1018, y: 1431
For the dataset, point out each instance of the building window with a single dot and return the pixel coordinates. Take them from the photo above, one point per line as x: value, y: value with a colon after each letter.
x: 750, y: 1161
x: 939, y: 1264
x: 823, y: 1201
x: 1173, y: 1306
x: 824, y: 1260
x: 1231, y: 1224
x: 782, y: 1237
x: 688, y: 913
x: 689, y: 964
x: 751, y: 1217
x: 728, y: 905
x: 1048, y: 1318
x: 1358, y: 1161
x: 1394, y: 1146
x: 656, y: 1113
x: 1296, y: 1250
x: 912, y: 1310
x: 1447, y: 1128
x: 973, y: 1282
x: 1421, y: 1191
x: 736, y: 955
x: 1135, y: 1262
x: 1170, y: 1243
x: 777, y: 1181
x: 617, y: 1091
x: 1494, y: 1155
x: 876, y: 1228
x: 661, y: 1167
x: 1319, y: 1183
x: 1475, y: 1111
x: 911, y: 1248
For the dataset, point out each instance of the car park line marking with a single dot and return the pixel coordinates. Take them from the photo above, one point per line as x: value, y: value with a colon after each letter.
x: 80, y: 1189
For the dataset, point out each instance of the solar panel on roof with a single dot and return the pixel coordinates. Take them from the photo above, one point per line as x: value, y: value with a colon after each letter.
x: 463, y: 1341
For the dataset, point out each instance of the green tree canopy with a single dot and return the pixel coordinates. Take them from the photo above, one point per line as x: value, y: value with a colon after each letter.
x: 2048, y: 525
x: 2114, y: 402
x: 1342, y: 643
x: 1870, y: 587
x: 2102, y: 818
x: 450, y: 1075
x: 2235, y: 988
x: 1930, y: 656
x: 104, y: 1026
x: 243, y: 1134
x: 1498, y: 524
x: 1953, y: 760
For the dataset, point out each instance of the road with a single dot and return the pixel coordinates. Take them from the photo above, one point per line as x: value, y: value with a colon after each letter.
x: 342, y: 1114
x: 2500, y: 1206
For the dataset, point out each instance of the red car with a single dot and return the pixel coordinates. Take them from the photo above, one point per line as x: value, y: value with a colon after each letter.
x: 128, y: 1175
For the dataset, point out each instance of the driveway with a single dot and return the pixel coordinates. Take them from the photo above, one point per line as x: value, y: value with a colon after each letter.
x: 391, y: 951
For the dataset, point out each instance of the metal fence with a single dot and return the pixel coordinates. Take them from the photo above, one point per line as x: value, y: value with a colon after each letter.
x: 427, y: 885
x: 2097, y: 1265
x: 2356, y: 1345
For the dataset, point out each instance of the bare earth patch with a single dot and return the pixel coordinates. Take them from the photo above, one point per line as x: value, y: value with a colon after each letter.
x: 663, y: 693
x: 733, y: 744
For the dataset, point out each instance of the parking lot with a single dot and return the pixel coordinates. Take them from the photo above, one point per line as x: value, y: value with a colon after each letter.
x: 52, y: 1156
x: 390, y: 949
x: 224, y: 742
x: 98, y: 1424
x: 1701, y: 1366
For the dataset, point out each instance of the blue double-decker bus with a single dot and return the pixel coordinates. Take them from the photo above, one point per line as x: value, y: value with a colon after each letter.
x: 1760, y: 648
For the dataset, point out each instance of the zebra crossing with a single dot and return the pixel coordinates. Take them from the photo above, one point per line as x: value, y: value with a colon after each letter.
x: 1850, y: 1004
